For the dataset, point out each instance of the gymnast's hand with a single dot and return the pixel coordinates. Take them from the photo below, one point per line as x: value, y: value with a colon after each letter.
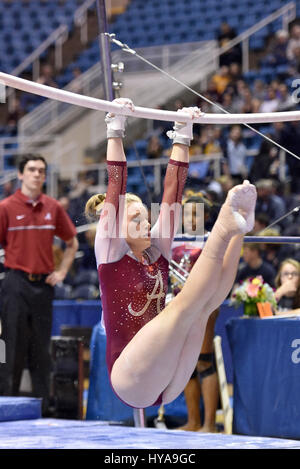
x: 183, y: 131
x: 116, y: 122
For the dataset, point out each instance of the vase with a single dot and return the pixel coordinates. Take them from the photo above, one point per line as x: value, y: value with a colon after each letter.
x: 250, y: 309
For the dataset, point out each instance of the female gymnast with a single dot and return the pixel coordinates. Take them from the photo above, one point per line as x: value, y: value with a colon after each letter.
x: 152, y: 350
x: 204, y: 379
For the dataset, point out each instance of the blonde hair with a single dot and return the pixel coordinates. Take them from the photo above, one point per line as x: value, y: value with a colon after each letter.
x: 95, y: 204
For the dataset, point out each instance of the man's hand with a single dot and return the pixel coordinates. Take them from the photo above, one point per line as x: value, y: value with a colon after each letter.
x: 68, y: 257
x: 55, y: 277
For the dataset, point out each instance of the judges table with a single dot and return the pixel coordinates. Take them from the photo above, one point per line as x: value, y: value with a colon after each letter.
x: 87, y: 313
x: 75, y: 313
x: 266, y: 376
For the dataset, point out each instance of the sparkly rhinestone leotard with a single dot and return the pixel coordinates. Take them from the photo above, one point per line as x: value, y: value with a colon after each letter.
x: 133, y: 293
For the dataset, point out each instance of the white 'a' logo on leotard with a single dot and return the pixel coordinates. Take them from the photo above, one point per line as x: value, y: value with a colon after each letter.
x: 154, y: 295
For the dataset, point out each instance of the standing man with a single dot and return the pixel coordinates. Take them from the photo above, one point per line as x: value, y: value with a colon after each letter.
x: 29, y: 220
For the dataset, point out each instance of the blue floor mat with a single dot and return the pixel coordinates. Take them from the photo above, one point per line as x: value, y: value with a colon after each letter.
x: 75, y: 434
x: 19, y: 408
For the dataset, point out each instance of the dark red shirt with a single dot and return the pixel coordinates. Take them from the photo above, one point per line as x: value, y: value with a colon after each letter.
x: 27, y: 231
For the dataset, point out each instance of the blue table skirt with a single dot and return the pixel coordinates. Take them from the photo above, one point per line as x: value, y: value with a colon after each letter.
x: 88, y: 313
x: 102, y: 402
x: 266, y: 364
x: 75, y: 313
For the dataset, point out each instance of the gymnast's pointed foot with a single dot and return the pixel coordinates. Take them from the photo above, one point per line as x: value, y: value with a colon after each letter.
x: 238, y: 212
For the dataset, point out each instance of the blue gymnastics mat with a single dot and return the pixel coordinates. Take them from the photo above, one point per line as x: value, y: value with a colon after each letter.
x: 19, y: 408
x: 75, y: 434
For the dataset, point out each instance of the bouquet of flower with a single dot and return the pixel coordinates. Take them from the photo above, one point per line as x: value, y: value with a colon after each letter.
x: 252, y: 291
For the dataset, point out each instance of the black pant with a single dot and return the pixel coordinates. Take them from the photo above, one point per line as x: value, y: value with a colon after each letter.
x: 26, y: 317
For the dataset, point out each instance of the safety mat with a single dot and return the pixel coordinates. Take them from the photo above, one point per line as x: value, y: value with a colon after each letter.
x: 70, y: 434
x: 19, y: 408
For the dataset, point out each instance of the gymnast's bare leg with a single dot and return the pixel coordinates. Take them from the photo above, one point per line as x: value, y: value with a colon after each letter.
x: 163, y: 354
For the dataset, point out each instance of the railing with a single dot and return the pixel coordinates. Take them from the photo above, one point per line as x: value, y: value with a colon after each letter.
x: 161, y: 56
x: 81, y: 19
x: 288, y: 13
x: 57, y: 38
x: 31, y: 144
x: 51, y: 116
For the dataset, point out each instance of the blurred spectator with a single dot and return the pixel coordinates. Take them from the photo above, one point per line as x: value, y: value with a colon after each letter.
x: 47, y: 76
x: 160, y: 127
x: 28, y: 100
x: 254, y: 265
x: 295, y: 63
x: 286, y: 100
x: 178, y: 104
x: 228, y: 103
x: 271, y: 102
x: 259, y: 89
x: 288, y: 287
x: 76, y: 82
x: 88, y: 261
x: 212, y: 94
x: 275, y: 253
x: 262, y: 220
x: 235, y: 73
x: 78, y: 196
x: 65, y: 202
x: 15, y: 111
x: 265, y: 163
x: 226, y: 183
x: 277, y: 54
x: 268, y: 202
x: 288, y: 135
x: 293, y: 42
x: 235, y: 155
x: 242, y: 94
x: 8, y: 189
x: 225, y: 35
x: 91, y: 174
x: 207, y: 144
x: 247, y: 99
x: 154, y: 148
x: 221, y: 79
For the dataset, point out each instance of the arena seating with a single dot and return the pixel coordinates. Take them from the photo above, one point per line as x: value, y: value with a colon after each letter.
x: 22, y: 30
x: 161, y: 22
x: 144, y: 23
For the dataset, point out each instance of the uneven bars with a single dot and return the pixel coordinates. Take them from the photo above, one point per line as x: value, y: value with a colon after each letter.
x: 248, y: 239
x: 141, y: 112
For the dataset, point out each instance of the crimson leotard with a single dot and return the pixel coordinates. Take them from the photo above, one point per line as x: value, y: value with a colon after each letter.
x: 185, y: 255
x: 133, y: 293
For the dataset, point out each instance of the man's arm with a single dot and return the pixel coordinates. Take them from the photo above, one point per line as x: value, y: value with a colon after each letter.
x: 67, y: 260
